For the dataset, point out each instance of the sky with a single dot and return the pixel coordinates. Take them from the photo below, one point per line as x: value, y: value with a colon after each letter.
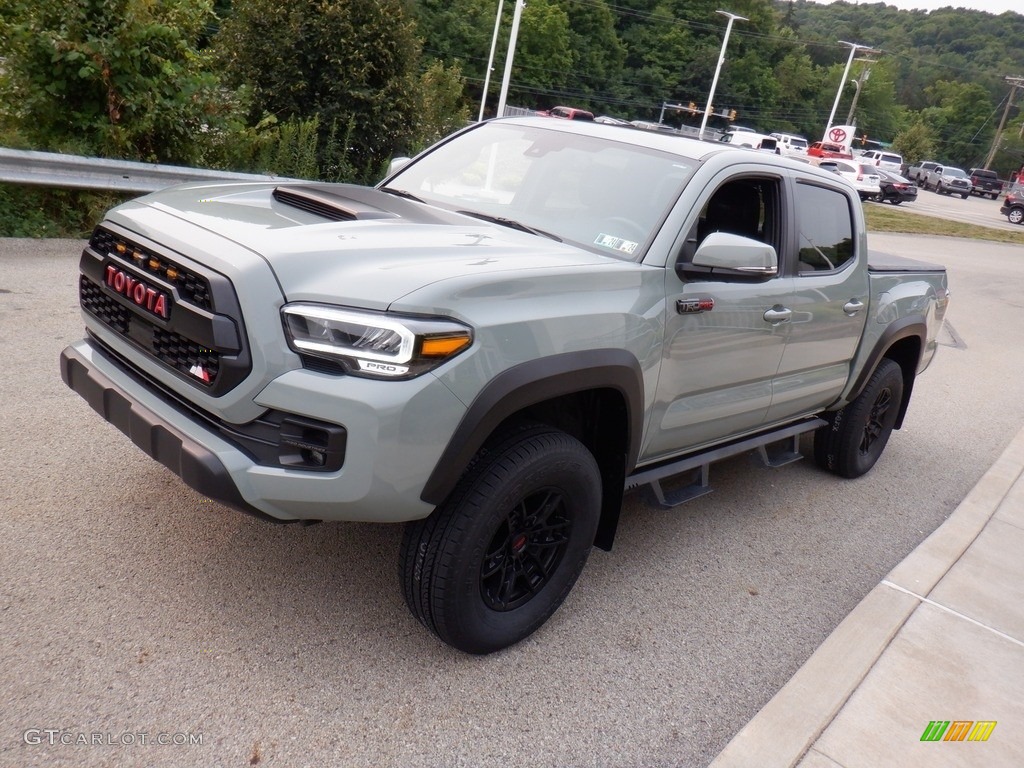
x: 992, y: 6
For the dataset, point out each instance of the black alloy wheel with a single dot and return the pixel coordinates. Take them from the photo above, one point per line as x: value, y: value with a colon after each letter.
x: 527, y: 548
x: 490, y: 565
x: 856, y: 435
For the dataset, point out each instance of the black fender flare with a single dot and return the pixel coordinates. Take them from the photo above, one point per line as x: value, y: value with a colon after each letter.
x: 534, y: 382
x: 910, y: 327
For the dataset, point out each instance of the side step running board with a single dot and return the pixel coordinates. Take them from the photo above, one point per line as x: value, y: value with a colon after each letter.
x: 778, y: 456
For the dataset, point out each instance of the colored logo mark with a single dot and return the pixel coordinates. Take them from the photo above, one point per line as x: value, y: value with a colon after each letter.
x: 958, y: 730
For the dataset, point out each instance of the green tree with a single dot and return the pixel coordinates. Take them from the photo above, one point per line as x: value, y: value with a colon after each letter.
x: 119, y: 78
x: 877, y: 113
x: 960, y: 117
x: 351, y: 64
x: 598, y: 55
x: 442, y: 108
x: 916, y: 143
x: 543, y: 55
x: 802, y: 83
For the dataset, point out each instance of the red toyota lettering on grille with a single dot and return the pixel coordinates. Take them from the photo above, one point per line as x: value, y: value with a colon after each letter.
x: 140, y: 293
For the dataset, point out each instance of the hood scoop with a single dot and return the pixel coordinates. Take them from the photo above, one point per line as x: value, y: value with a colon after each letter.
x: 322, y: 201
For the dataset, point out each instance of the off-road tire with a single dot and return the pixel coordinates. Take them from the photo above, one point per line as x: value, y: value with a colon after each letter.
x: 856, y: 435
x: 491, y: 564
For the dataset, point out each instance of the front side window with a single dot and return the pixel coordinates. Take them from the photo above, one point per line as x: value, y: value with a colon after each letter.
x: 748, y: 206
x: 826, y: 240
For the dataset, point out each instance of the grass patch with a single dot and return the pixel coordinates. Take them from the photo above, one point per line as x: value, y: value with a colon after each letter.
x: 888, y: 218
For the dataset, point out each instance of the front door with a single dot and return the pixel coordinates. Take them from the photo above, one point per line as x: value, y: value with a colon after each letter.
x: 724, y: 337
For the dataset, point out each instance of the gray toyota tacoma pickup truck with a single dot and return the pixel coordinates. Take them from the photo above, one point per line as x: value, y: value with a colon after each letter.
x: 497, y: 342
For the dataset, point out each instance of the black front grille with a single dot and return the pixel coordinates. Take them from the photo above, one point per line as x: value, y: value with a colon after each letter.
x: 191, y: 287
x: 188, y: 357
x: 102, y: 306
x: 200, y: 337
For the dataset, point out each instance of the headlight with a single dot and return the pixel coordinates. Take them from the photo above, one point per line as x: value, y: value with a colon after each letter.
x: 374, y: 344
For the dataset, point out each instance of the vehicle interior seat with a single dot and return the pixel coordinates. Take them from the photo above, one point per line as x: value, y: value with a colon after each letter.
x: 735, y: 208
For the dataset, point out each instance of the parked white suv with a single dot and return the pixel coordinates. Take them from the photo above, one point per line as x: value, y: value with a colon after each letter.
x: 890, y: 161
x: 750, y: 139
x: 789, y: 144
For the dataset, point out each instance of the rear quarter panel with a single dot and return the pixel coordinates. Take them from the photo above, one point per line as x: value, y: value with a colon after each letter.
x: 907, y: 299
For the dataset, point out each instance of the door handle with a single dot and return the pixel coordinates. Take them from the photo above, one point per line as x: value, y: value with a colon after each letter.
x: 778, y: 314
x: 853, y: 306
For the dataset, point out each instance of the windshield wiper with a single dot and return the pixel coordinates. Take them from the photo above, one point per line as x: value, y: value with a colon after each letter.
x: 511, y: 223
x: 401, y: 193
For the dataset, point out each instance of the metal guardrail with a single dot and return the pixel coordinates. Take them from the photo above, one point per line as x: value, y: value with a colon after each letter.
x: 49, y: 169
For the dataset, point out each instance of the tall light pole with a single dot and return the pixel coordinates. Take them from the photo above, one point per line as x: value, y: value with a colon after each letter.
x: 490, y: 59
x: 854, y: 47
x: 721, y: 60
x: 516, y: 18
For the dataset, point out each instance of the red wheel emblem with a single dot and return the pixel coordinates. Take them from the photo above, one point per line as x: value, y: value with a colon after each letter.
x: 838, y: 135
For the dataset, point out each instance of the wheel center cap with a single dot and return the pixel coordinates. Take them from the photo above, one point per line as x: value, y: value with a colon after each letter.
x: 518, y: 543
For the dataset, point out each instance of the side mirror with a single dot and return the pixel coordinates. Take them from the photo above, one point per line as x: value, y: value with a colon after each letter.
x: 722, y: 254
x: 396, y: 164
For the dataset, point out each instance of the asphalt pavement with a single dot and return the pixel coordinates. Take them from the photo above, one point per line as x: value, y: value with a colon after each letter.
x: 133, y: 610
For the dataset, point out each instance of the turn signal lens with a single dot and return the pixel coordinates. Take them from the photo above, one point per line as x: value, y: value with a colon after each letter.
x: 445, y: 346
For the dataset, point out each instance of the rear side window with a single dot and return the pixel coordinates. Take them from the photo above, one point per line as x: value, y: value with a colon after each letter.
x: 826, y: 241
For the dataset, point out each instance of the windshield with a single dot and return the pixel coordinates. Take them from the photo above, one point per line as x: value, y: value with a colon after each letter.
x: 954, y: 172
x: 595, y: 192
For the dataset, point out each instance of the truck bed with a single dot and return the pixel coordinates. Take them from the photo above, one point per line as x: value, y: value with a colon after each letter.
x: 879, y: 261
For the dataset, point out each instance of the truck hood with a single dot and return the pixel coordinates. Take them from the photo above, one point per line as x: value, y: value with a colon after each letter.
x: 382, y: 247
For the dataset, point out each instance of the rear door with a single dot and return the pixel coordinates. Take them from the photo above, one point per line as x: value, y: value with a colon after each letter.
x: 827, y: 254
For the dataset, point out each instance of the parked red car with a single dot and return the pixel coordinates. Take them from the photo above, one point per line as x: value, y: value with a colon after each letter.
x: 568, y: 113
x: 821, y: 149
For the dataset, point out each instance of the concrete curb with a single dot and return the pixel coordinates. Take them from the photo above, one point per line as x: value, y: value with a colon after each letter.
x: 790, y: 723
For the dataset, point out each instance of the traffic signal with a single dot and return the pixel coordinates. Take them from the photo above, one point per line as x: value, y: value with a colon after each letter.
x: 732, y: 114
x: 863, y: 139
x: 693, y: 106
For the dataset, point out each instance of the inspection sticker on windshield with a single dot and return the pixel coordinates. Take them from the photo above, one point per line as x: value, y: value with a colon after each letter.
x: 615, y: 243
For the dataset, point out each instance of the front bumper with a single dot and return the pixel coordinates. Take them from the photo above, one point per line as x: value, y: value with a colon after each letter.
x: 198, y: 466
x: 396, y: 432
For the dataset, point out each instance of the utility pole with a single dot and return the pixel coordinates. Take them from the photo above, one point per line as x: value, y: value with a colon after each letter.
x: 859, y: 83
x: 1015, y: 83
